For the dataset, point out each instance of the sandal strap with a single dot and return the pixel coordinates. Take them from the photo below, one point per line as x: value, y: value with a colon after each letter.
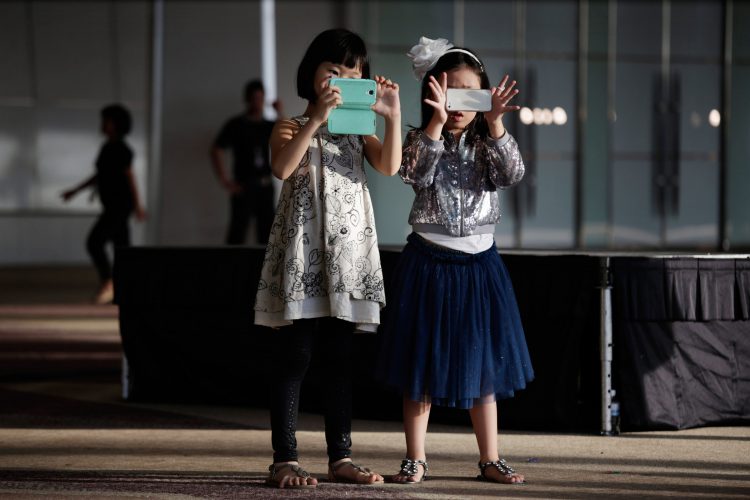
x: 500, y: 465
x: 299, y: 471
x: 363, y: 470
x: 410, y: 468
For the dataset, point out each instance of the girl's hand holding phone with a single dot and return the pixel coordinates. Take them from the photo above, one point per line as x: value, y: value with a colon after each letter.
x: 388, y: 104
x: 328, y: 99
x: 501, y: 95
x: 437, y: 99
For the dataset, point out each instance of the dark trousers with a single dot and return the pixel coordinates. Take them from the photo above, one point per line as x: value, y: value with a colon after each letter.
x: 256, y: 201
x: 109, y: 227
x: 331, y: 340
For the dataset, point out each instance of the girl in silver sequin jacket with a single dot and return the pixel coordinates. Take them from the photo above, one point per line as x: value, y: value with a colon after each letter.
x: 456, y: 181
x: 456, y: 161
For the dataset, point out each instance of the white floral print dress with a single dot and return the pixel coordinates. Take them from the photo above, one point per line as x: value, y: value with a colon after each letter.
x: 322, y: 257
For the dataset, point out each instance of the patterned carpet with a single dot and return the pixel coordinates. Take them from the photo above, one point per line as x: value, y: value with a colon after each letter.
x: 65, y: 433
x: 77, y: 346
x: 52, y: 340
x: 107, y: 484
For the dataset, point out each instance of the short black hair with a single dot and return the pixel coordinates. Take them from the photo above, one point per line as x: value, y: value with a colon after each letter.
x: 251, y: 87
x: 338, y: 46
x: 120, y: 118
x: 448, y: 62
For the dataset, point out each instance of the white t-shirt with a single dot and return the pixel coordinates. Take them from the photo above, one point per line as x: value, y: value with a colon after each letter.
x: 475, y: 243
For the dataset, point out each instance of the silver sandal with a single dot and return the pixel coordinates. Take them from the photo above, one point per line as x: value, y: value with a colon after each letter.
x: 410, y: 468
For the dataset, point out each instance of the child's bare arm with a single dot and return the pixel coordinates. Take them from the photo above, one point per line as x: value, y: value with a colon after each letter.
x: 289, y: 141
x: 68, y: 194
x: 386, y: 157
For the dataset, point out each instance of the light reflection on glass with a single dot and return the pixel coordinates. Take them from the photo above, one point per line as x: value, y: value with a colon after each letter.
x: 526, y: 116
x: 695, y: 119
x: 714, y: 118
x: 537, y: 116
x: 543, y: 116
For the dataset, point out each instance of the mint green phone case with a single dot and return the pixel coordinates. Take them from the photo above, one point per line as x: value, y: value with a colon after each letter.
x: 354, y: 116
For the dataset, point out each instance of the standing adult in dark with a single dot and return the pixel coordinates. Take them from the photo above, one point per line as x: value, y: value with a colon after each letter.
x: 250, y: 187
x: 115, y: 183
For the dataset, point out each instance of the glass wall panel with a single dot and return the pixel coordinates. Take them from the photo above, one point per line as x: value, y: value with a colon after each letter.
x: 74, y: 50
x: 548, y: 205
x: 666, y: 144
x: 551, y: 26
x: 489, y: 26
x: 17, y: 128
x: 15, y: 53
x: 402, y: 23
x: 651, y: 150
x: 736, y: 126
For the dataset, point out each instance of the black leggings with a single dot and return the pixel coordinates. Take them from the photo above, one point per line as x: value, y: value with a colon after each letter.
x: 293, y: 347
x: 108, y: 227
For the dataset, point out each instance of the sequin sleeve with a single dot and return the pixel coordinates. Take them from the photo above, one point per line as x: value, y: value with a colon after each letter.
x: 420, y: 158
x: 504, y: 161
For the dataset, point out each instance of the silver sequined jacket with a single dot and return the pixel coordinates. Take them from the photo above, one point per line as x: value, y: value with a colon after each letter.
x: 456, y: 184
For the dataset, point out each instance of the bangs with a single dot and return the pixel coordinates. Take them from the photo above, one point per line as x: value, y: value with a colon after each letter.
x: 337, y: 46
x: 350, y: 52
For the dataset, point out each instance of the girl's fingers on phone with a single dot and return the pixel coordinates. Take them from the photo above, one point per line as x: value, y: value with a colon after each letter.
x: 432, y: 103
x: 331, y: 99
x: 436, y: 91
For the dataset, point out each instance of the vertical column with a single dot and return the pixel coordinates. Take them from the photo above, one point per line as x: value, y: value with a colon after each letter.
x: 520, y: 195
x: 268, y: 53
x: 726, y: 106
x: 605, y: 346
x: 155, y: 131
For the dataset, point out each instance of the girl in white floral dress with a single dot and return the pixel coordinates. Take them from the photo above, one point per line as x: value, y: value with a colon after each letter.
x: 321, y: 276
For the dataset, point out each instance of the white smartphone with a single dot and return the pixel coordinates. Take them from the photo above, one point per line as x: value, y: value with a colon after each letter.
x: 468, y: 100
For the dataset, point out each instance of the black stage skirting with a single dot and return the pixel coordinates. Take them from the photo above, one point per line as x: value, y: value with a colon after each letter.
x: 681, y: 337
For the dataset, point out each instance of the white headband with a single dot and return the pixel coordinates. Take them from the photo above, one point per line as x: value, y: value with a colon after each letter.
x: 427, y: 52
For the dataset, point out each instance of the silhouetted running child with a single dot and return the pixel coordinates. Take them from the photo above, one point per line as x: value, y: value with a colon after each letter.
x: 115, y: 183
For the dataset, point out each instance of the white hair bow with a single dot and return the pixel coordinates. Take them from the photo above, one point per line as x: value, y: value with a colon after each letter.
x: 426, y: 53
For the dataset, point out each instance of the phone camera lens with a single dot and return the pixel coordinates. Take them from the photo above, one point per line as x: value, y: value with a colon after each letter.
x: 371, y: 92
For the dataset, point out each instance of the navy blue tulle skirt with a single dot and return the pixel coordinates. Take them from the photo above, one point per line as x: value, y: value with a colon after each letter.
x: 452, y: 333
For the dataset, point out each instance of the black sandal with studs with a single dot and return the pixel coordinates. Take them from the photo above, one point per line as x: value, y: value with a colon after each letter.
x: 502, y: 467
x: 410, y: 468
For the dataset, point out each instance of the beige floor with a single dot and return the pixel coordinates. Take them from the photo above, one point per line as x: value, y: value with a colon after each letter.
x: 229, y: 461
x: 698, y: 463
